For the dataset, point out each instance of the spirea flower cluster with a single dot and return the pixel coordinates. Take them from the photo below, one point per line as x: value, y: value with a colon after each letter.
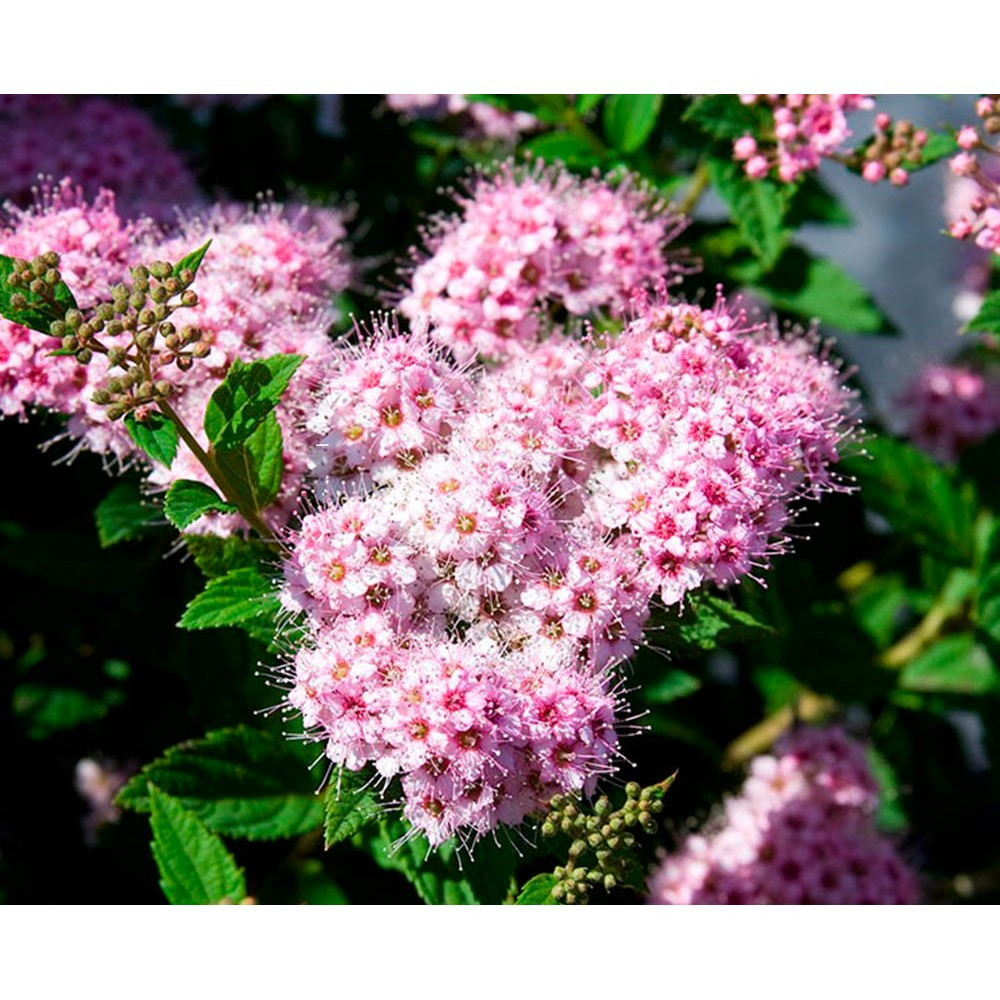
x: 476, y: 119
x: 800, y: 831
x: 951, y: 407
x: 528, y: 246
x: 101, y: 144
x: 806, y: 128
x: 505, y: 531
x: 265, y: 288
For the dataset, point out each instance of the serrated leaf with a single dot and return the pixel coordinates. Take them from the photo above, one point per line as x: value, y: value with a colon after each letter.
x: 240, y: 782
x: 629, y: 119
x: 706, y: 622
x: 243, y: 597
x: 187, y: 500
x: 39, y: 314
x: 987, y: 320
x: 350, y: 804
x: 817, y: 288
x: 123, y: 514
x: 956, y: 664
x: 723, y: 116
x: 814, y: 203
x: 156, y: 436
x: 192, y: 260
x: 247, y: 395
x: 254, y: 468
x: 561, y: 146
x: 216, y: 556
x: 195, y: 867
x: 537, y: 891
x: 757, y: 207
x: 920, y: 499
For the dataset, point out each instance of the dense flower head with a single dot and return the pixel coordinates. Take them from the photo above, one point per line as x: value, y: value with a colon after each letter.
x: 806, y: 128
x: 801, y: 830
x: 708, y: 429
x: 476, y: 119
x: 477, y: 734
x: 950, y: 408
x: 384, y: 404
x: 526, y: 244
x: 96, y: 247
x: 101, y: 144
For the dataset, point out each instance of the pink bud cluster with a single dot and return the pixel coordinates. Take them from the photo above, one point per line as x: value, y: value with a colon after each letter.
x: 477, y: 119
x: 527, y: 245
x: 950, y: 408
x: 100, y: 144
x: 807, y: 128
x: 801, y: 830
x: 540, y: 507
x: 979, y: 219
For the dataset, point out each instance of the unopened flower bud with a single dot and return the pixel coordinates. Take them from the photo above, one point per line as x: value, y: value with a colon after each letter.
x: 189, y: 298
x: 116, y: 411
x: 85, y: 356
x: 166, y: 329
x: 160, y: 311
x: 201, y: 350
x: 172, y: 285
x: 184, y: 362
x: 137, y: 300
x: 146, y: 317
x: 140, y: 272
x: 186, y: 276
x: 70, y: 343
x: 167, y: 357
x: 115, y: 386
x: 158, y: 293
x: 172, y: 341
x: 18, y: 301
x: 51, y: 277
x: 992, y: 124
x: 548, y: 827
x: 74, y: 319
x: 38, y: 286
x: 146, y: 389
x: 610, y: 881
x: 51, y: 258
x: 632, y: 789
x: 57, y: 328
x: 161, y: 269
x: 102, y: 397
x: 577, y: 848
x: 105, y: 312
x: 558, y: 891
x: 114, y: 328
x: 116, y: 356
x: 144, y: 341
x: 39, y: 267
x: 163, y: 389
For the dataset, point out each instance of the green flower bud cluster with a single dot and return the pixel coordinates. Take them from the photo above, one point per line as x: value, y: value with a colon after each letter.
x: 134, y: 331
x: 602, y: 852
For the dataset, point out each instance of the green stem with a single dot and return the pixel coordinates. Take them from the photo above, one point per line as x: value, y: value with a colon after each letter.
x: 218, y: 476
x: 699, y: 183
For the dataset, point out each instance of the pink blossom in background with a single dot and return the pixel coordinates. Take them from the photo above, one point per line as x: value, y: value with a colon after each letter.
x: 100, y: 144
x: 801, y: 830
x: 478, y: 119
x: 951, y: 407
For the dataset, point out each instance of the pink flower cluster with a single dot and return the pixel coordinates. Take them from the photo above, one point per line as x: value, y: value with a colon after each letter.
x: 807, y: 127
x: 264, y: 288
x: 540, y: 507
x: 979, y: 217
x: 951, y: 407
x: 478, y: 119
x: 526, y: 245
x: 100, y: 144
x: 800, y: 831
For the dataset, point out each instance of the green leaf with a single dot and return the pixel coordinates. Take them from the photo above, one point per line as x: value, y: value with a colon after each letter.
x: 240, y: 782
x: 979, y: 463
x: 891, y: 817
x: 987, y: 320
x: 45, y: 710
x: 216, y: 556
x: 812, y: 202
x: 192, y: 260
x: 156, y: 436
x: 243, y: 597
x: 434, y: 875
x: 249, y: 393
x: 350, y: 804
x: 988, y: 602
x: 585, y: 103
x: 956, y: 664
x: 708, y: 621
x: 562, y: 146
x: 938, y: 146
x: 816, y: 288
x: 123, y: 514
x: 757, y: 207
x: 920, y: 499
x: 39, y: 313
x: 195, y: 867
x: 629, y: 119
x: 723, y: 116
x: 254, y: 469
x: 670, y: 686
x: 537, y: 891
x: 187, y: 500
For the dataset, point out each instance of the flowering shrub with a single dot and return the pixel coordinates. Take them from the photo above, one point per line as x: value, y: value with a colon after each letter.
x: 496, y: 592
